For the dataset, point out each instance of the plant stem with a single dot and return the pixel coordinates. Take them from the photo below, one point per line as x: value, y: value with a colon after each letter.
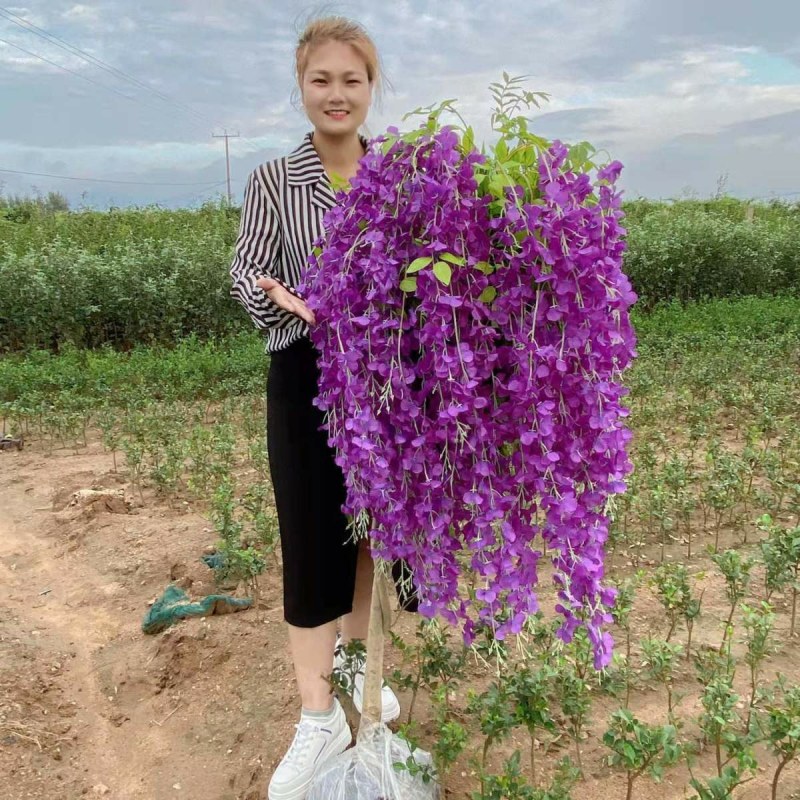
x: 486, y: 744
x: 578, y: 754
x: 688, y: 539
x: 752, y: 697
x: 727, y: 628
x: 627, y: 666
x: 777, y: 776
x: 415, y: 690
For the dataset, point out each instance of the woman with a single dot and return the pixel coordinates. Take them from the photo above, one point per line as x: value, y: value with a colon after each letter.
x: 325, y: 575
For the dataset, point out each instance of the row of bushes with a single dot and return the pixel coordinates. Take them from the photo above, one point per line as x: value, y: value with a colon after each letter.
x: 154, y: 276
x: 764, y: 329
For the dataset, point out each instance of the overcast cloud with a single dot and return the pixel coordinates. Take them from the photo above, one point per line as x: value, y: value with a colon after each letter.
x: 682, y: 92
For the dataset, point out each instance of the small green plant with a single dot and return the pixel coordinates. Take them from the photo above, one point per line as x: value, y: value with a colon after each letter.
x: 431, y: 660
x: 413, y: 765
x: 107, y: 419
x: 495, y: 715
x: 718, y: 787
x: 723, y: 485
x: 452, y: 737
x: 236, y: 562
x: 510, y: 785
x: 532, y: 695
x: 674, y: 593
x: 640, y: 748
x: 572, y: 694
x: 736, y: 571
x: 690, y: 615
x: 259, y: 519
x: 621, y: 614
x: 342, y: 678
x: 780, y: 552
x: 781, y: 727
x: 721, y: 726
x: 678, y: 474
x: 659, y: 659
x: 712, y: 665
x: 758, y: 623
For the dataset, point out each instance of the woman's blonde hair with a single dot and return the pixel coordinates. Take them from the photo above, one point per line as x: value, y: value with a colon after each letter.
x: 339, y: 29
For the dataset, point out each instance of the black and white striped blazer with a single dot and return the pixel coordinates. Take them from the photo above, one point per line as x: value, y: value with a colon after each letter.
x: 284, y: 203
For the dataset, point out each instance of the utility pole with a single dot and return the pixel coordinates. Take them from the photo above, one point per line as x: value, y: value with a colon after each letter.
x: 227, y: 136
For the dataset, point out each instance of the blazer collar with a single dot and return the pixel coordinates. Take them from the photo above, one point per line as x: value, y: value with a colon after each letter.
x: 304, y: 167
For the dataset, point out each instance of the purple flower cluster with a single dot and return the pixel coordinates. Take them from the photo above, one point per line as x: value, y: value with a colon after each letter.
x: 470, y: 356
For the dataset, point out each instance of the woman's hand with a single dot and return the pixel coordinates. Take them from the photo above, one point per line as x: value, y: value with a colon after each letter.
x: 286, y: 300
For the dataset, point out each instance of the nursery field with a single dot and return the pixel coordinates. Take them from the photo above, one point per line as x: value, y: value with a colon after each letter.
x: 138, y: 461
x: 148, y: 275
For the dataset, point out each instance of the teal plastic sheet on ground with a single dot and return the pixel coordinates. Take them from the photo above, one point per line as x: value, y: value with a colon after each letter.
x: 174, y: 605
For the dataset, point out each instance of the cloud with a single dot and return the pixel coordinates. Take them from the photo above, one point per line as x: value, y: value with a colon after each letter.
x: 84, y: 14
x: 659, y: 30
x: 676, y: 94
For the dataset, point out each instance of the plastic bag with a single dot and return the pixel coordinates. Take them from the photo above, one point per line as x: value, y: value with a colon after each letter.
x: 367, y: 772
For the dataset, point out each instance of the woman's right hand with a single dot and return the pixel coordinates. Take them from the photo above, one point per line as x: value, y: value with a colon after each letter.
x: 286, y: 300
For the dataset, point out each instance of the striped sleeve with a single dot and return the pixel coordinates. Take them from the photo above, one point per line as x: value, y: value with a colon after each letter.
x: 257, y: 253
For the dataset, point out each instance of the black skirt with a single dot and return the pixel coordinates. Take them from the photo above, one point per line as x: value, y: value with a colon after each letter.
x: 319, y: 556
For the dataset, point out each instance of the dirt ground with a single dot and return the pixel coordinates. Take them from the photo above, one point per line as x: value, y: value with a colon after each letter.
x: 92, y: 707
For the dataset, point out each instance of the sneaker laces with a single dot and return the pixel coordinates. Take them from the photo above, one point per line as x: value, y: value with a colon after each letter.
x: 305, y: 729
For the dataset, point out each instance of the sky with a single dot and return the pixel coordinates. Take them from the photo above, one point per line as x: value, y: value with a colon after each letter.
x: 693, y: 96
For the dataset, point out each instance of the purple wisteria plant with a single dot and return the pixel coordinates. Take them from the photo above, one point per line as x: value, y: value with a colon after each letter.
x: 473, y: 328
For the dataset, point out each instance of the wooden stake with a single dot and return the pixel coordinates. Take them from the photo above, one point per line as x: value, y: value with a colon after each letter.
x: 379, y: 621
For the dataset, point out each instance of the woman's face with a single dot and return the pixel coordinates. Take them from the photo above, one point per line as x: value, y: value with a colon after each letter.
x: 335, y: 90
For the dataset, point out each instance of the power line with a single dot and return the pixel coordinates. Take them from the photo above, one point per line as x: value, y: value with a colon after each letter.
x: 58, y: 41
x: 80, y: 75
x: 67, y: 69
x: 21, y: 22
x: 107, y: 180
x: 51, y: 38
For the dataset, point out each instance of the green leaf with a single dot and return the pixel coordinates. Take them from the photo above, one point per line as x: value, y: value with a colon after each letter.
x: 418, y: 263
x: 453, y: 259
x: 408, y: 285
x: 485, y: 267
x: 468, y: 140
x: 443, y: 271
x: 488, y: 294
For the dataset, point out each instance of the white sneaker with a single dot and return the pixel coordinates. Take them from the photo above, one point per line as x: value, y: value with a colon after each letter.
x: 390, y: 705
x: 313, y: 745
